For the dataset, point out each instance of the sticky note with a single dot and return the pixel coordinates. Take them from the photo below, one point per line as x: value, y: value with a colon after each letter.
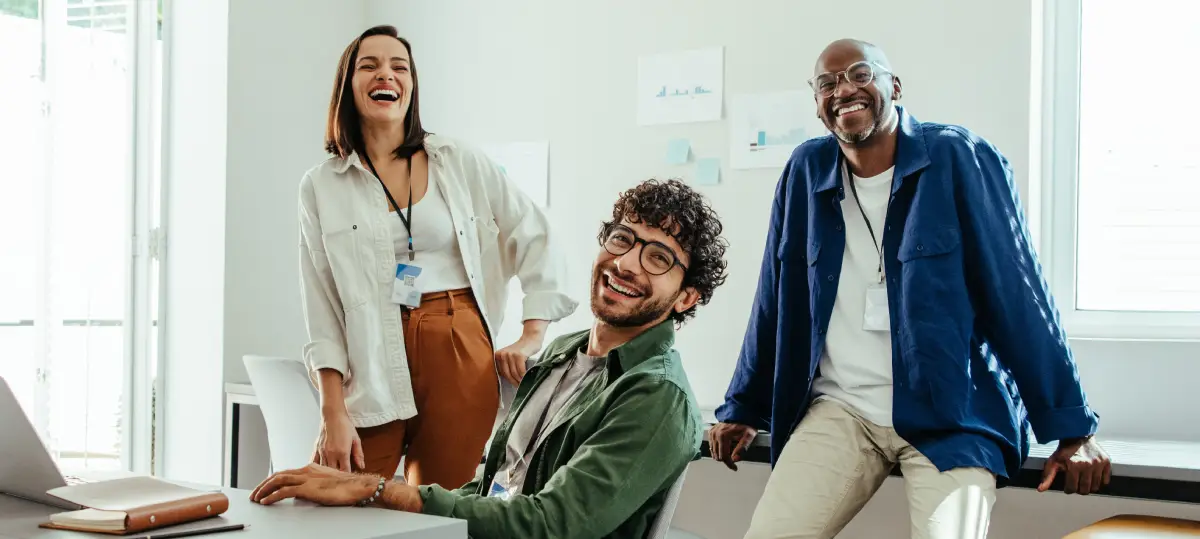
x: 708, y: 171
x: 678, y: 151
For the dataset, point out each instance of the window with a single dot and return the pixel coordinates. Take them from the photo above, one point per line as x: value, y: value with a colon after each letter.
x: 79, y: 144
x: 1121, y: 169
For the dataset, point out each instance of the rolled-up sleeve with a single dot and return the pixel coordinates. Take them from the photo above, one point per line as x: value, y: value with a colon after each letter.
x: 1017, y: 311
x: 529, y: 249
x: 323, y: 318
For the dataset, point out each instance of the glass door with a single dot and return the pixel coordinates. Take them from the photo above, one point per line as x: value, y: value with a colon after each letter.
x: 75, y: 275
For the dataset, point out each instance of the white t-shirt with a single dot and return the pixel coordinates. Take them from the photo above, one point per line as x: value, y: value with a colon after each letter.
x: 435, y: 248
x: 856, y: 364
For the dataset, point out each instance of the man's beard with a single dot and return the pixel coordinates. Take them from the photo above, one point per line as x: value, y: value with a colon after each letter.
x: 645, y: 312
x: 861, y: 135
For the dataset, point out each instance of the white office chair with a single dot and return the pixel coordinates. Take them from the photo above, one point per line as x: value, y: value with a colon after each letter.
x: 290, y: 407
x: 662, y: 522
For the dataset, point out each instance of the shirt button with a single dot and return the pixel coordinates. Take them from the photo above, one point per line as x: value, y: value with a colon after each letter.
x: 829, y: 277
x: 838, y: 227
x: 920, y: 247
x: 889, y: 227
x: 459, y: 232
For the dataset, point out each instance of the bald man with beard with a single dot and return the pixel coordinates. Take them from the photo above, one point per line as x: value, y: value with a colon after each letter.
x: 901, y: 318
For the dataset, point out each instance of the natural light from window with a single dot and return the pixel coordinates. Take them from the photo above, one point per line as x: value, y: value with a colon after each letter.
x: 67, y: 104
x: 1139, y: 156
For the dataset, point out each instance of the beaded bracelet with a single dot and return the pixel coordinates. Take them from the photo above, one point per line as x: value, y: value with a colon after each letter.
x: 378, y: 492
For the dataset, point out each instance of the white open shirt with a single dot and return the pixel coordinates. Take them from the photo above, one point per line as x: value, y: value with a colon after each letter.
x: 348, y: 263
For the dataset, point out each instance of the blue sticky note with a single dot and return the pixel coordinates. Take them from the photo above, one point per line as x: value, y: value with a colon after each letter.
x: 708, y: 171
x: 678, y: 151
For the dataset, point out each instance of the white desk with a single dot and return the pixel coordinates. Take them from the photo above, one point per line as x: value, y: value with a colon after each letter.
x: 294, y: 520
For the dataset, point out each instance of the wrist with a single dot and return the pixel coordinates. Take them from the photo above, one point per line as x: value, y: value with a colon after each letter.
x: 401, y: 496
x: 534, y: 330
x: 370, y: 488
x: 334, y: 411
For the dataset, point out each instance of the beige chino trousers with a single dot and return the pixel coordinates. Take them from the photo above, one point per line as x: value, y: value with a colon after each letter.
x: 836, y: 460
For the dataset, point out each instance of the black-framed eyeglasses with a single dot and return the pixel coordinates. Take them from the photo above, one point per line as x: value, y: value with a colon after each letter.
x: 858, y: 74
x: 656, y: 258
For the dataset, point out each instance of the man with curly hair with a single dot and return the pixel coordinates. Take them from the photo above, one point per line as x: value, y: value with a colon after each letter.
x: 606, y: 421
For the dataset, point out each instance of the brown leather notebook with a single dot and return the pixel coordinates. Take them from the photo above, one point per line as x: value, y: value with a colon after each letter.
x: 132, y: 505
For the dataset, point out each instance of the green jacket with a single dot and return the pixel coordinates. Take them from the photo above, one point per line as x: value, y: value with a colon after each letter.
x: 609, y: 458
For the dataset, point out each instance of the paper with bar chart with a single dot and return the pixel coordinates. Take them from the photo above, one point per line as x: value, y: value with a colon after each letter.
x: 766, y: 127
x: 679, y: 87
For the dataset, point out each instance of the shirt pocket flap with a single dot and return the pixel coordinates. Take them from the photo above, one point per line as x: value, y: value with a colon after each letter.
x: 931, y: 242
x: 797, y: 251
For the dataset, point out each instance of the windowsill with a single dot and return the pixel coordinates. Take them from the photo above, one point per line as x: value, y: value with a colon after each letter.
x: 1158, y: 470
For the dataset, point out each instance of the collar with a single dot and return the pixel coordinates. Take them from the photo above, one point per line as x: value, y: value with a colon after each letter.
x: 653, y: 342
x: 435, y: 146
x: 911, y: 155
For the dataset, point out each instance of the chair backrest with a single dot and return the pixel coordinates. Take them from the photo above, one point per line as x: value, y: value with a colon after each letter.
x: 290, y: 407
x: 662, y: 522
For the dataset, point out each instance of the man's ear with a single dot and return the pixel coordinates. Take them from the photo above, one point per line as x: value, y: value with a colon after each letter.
x: 897, y: 88
x: 687, y: 299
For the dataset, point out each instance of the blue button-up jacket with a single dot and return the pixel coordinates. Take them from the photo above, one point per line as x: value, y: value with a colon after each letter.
x: 978, y: 352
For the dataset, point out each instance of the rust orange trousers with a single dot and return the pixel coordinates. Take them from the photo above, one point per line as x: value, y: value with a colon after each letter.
x: 452, y: 366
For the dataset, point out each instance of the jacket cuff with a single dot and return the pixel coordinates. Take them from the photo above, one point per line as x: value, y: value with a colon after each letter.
x: 326, y: 355
x: 551, y: 306
x: 436, y: 500
x: 1063, y: 423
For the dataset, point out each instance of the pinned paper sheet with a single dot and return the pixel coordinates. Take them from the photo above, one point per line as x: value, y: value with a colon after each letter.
x: 682, y: 86
x: 678, y: 151
x: 708, y: 171
x: 765, y: 128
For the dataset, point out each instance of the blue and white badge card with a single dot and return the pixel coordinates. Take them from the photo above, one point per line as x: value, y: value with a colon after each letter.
x: 405, y: 290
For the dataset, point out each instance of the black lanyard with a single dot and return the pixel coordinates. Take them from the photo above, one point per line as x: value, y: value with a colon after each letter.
x: 878, y: 248
x: 407, y: 221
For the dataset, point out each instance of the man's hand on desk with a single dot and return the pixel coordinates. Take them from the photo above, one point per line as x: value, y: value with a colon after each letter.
x: 1085, y: 463
x: 327, y: 486
x: 728, y: 441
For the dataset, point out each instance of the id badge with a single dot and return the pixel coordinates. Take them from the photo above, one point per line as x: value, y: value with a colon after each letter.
x: 876, y: 316
x: 498, y: 491
x: 404, y: 289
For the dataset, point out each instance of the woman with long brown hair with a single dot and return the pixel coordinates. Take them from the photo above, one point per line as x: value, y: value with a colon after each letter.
x: 408, y: 241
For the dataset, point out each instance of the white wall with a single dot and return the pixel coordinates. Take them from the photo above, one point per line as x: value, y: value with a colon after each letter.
x: 195, y: 101
x: 565, y: 71
x: 249, y: 85
x: 282, y: 64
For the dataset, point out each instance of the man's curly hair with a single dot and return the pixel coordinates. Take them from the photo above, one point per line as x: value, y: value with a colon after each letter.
x: 683, y: 213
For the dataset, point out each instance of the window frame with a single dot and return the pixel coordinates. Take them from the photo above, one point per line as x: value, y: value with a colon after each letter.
x: 1056, y: 145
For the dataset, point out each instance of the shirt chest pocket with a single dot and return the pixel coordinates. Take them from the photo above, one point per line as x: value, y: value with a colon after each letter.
x: 928, y: 242
x: 487, y: 232
x: 351, y: 261
x: 797, y: 266
x: 931, y: 264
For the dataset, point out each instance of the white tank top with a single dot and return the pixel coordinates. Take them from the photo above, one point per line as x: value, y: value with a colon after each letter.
x: 434, y: 243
